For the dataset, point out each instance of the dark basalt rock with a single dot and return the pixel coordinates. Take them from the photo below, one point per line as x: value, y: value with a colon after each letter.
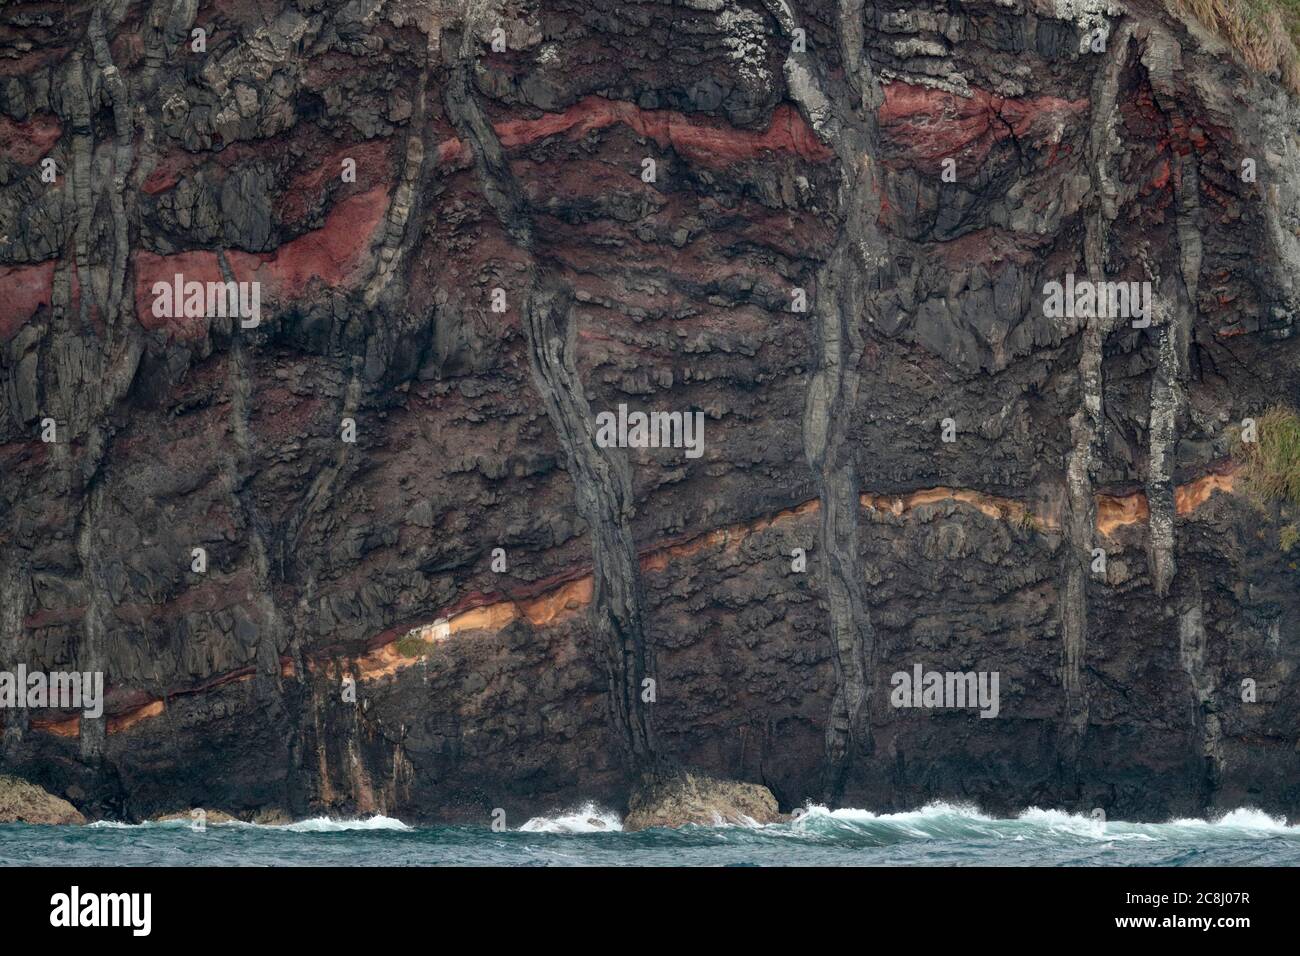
x: 458, y: 602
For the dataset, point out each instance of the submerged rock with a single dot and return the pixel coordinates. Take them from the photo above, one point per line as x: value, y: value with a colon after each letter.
x: 705, y: 801
x: 209, y: 816
x: 24, y: 802
x: 273, y: 817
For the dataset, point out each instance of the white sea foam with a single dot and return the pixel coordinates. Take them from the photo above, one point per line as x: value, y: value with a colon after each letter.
x: 930, y: 811
x: 588, y: 818
x: 1244, y: 819
x: 312, y: 825
x: 330, y: 825
x: 934, y: 821
x: 956, y: 821
x: 938, y: 820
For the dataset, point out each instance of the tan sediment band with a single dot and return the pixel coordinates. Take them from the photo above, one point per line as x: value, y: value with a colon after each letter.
x: 1002, y: 509
x: 1117, y: 511
x: 567, y: 595
x: 126, y: 719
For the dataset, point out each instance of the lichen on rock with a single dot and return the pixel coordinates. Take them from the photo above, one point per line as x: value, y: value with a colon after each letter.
x: 25, y: 802
x: 686, y: 799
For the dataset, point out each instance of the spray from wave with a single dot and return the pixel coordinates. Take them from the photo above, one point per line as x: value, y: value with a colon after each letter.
x: 311, y: 825
x: 329, y: 825
x: 588, y: 818
x: 940, y: 834
x: 935, y: 822
x: 957, y: 823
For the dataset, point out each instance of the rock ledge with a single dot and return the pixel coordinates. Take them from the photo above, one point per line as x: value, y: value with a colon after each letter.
x: 705, y: 801
x: 24, y: 802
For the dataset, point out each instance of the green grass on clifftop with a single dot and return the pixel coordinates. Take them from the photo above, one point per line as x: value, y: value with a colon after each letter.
x: 1273, y: 462
x: 1265, y: 32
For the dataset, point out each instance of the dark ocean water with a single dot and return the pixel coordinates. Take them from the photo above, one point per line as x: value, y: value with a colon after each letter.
x: 938, y: 835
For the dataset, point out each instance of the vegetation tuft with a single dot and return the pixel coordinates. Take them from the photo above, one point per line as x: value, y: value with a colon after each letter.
x: 1288, y: 537
x: 1265, y: 32
x: 1272, y: 463
x: 411, y: 646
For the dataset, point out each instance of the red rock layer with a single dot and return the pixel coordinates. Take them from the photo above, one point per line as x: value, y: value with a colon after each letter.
x: 26, y: 289
x: 330, y: 255
x: 703, y: 141
x: 27, y: 142
x: 931, y: 125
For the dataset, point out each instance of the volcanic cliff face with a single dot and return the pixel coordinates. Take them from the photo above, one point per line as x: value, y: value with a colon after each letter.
x: 564, y: 206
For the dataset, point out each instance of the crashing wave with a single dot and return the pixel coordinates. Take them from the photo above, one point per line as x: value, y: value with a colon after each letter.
x: 588, y: 818
x: 311, y: 825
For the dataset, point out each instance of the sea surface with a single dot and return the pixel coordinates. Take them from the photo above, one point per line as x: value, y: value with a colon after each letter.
x: 937, y: 835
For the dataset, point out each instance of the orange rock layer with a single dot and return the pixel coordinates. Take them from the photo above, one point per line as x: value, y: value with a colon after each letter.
x: 491, y: 613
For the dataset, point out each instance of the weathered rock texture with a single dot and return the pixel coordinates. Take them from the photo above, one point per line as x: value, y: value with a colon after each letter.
x: 208, y: 816
x: 688, y: 799
x: 349, y: 647
x: 23, y: 802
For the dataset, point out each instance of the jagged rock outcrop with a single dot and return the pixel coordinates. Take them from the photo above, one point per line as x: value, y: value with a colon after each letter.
x: 361, y: 552
x: 687, y: 799
x: 194, y: 817
x: 23, y: 802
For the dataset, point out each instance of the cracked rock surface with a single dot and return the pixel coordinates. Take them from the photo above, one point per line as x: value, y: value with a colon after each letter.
x: 826, y: 227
